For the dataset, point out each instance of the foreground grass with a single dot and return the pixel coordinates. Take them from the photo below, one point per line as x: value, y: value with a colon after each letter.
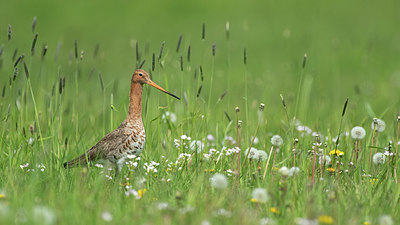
x: 67, y: 103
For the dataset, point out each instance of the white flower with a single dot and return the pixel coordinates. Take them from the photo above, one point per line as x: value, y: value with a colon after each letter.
x: 98, y: 165
x: 255, y: 140
x: 210, y: 138
x: 205, y: 222
x: 228, y: 141
x: 305, y: 221
x: 324, y: 159
x: 379, y: 126
x: 223, y: 212
x: 44, y: 215
x: 24, y: 165
x: 30, y: 141
x: 251, y: 154
x: 106, y: 216
x: 169, y: 115
x: 197, y: 144
x: 267, y: 221
x: 387, y: 153
x: 293, y: 171
x: 219, y: 181
x: 379, y: 158
x: 385, y: 220
x: 184, y: 137
x: 284, y: 171
x: 260, y: 195
x: 276, y: 140
x: 109, y: 177
x: 261, y: 155
x: 162, y: 205
x: 358, y: 133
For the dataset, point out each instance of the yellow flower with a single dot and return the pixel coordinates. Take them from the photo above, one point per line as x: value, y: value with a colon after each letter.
x: 253, y: 200
x: 366, y: 223
x: 373, y: 180
x: 275, y: 168
x: 2, y: 196
x: 141, y: 192
x: 325, y: 219
x: 336, y: 152
x: 275, y: 210
x: 209, y: 171
x: 330, y: 169
x: 169, y: 169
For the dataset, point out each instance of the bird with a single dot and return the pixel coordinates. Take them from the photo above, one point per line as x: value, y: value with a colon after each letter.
x: 128, y: 140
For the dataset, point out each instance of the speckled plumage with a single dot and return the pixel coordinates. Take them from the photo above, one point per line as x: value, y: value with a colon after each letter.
x: 129, y: 138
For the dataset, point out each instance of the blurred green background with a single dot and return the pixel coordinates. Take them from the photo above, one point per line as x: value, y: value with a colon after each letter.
x: 352, y: 47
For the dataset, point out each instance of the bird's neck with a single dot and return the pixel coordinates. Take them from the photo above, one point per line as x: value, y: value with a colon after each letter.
x: 135, y: 102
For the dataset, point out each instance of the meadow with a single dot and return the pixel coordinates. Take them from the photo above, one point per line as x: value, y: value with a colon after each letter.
x: 289, y: 112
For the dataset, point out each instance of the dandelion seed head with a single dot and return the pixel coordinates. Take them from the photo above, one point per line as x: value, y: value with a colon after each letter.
x: 267, y: 221
x: 293, y: 171
x: 379, y: 125
x: 251, y: 153
x: 284, y: 171
x: 324, y: 159
x: 385, y: 220
x: 261, y: 155
x: 276, y: 140
x: 379, y: 158
x: 357, y: 133
x: 106, y: 216
x: 169, y: 116
x: 305, y: 221
x: 219, y: 181
x: 44, y: 215
x: 260, y: 195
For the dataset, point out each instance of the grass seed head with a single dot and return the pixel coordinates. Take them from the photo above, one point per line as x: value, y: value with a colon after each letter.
x: 181, y: 60
x: 9, y: 32
x: 203, y: 33
x: 141, y: 64
x: 34, y: 44
x: 213, y: 48
x: 244, y: 56
x: 76, y: 49
x: 237, y: 109
x: 26, y: 70
x: 188, y: 54
x: 304, y: 60
x: 21, y: 57
x: 161, y: 50
x: 1, y: 49
x: 153, y: 62
x: 227, y: 30
x: 96, y: 50
x: 34, y: 24
x: 44, y: 50
x: 178, y: 45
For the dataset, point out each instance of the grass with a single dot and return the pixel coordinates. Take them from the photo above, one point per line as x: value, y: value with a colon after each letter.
x: 70, y: 100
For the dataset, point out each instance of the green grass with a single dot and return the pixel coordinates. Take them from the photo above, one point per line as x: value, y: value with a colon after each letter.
x: 352, y: 50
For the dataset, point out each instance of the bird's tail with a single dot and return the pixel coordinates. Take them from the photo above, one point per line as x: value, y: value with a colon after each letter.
x: 79, y: 161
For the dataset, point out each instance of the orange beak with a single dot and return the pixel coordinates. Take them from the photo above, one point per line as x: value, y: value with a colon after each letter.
x: 151, y: 83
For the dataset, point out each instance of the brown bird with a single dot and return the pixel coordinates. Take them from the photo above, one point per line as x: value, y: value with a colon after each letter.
x: 129, y: 138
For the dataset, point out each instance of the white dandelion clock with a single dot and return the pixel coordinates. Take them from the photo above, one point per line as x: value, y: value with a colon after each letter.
x: 106, y: 216
x: 169, y: 116
x: 276, y: 140
x: 379, y: 158
x: 385, y: 220
x: 284, y: 171
x: 44, y: 215
x: 251, y: 153
x: 197, y: 144
x: 357, y: 133
x: 378, y: 125
x: 293, y: 171
x: 324, y: 159
x: 261, y: 155
x: 260, y: 195
x: 219, y: 181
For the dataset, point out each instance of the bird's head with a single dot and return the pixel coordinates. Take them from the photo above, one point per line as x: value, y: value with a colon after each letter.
x: 142, y: 77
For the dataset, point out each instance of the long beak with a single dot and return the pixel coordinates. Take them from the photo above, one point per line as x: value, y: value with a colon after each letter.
x: 151, y: 83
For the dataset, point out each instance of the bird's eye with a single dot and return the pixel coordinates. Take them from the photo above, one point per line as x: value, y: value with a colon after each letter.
x: 140, y: 74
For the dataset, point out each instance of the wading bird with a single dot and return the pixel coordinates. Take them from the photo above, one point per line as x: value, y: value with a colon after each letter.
x: 129, y: 138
